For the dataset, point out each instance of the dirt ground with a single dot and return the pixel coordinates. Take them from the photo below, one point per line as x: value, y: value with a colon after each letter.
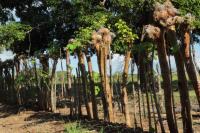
x: 28, y: 121
x: 44, y: 122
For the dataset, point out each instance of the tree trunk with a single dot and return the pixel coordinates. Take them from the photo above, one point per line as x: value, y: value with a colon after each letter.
x: 79, y: 93
x: 17, y: 67
x: 100, y: 60
x: 84, y: 82
x: 189, y: 63
x: 107, y: 89
x: 162, y: 55
x: 183, y: 86
x: 146, y: 81
x: 13, y: 91
x: 37, y: 84
x: 53, y: 89
x: 75, y: 97
x: 124, y: 89
x: 92, y: 88
x: 134, y: 96
x: 142, y: 79
x: 1, y: 82
x: 69, y: 80
x: 44, y: 97
x: 154, y: 94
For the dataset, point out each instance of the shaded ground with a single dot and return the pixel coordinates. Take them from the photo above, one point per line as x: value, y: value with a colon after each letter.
x: 45, y: 122
x: 28, y: 121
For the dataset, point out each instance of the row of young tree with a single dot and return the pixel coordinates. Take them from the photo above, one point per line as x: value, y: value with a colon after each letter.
x: 140, y: 30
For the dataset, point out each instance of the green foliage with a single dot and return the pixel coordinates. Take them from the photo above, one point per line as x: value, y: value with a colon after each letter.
x: 84, y: 35
x: 24, y: 79
x: 175, y: 49
x: 97, y: 90
x: 90, y: 23
x: 124, y: 36
x: 95, y: 20
x: 12, y: 32
x: 54, y: 49
x: 21, y: 78
x: 189, y: 6
x: 53, y: 3
x: 42, y: 74
x: 74, y: 128
x: 72, y: 46
x: 96, y: 77
x: 124, y: 3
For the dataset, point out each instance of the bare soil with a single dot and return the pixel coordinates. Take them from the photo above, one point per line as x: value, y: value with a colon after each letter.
x: 28, y: 121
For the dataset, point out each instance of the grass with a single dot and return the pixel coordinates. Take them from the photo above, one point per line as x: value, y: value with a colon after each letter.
x: 192, y: 96
x: 75, y: 127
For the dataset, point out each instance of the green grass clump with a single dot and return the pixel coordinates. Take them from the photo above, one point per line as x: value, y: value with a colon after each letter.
x: 74, y: 127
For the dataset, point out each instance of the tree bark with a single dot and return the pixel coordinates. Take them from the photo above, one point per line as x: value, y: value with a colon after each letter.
x: 182, y: 85
x: 189, y: 63
x: 45, y: 92
x: 79, y: 93
x: 84, y: 82
x: 162, y: 55
x: 154, y: 94
x: 53, y: 89
x: 92, y: 88
x: 99, y: 60
x: 17, y: 67
x: 124, y: 89
x: 105, y: 84
x: 69, y: 80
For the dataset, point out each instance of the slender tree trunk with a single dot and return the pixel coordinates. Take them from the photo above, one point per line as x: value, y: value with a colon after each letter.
x: 100, y: 60
x: 134, y: 96
x: 139, y: 100
x: 154, y: 116
x: 62, y: 80
x: 45, y: 92
x: 124, y: 88
x: 75, y: 96
x: 154, y: 94
x: 162, y: 55
x: 69, y: 80
x: 17, y: 67
x: 79, y: 93
x: 139, y: 104
x: 105, y: 84
x: 13, y: 92
x: 183, y: 86
x: 173, y: 101
x: 146, y: 81
x: 160, y: 91
x: 1, y: 82
x: 119, y: 94
x: 84, y: 82
x: 142, y: 79
x: 92, y: 88
x: 189, y: 63
x: 148, y: 105
x: 53, y: 89
x: 37, y: 84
